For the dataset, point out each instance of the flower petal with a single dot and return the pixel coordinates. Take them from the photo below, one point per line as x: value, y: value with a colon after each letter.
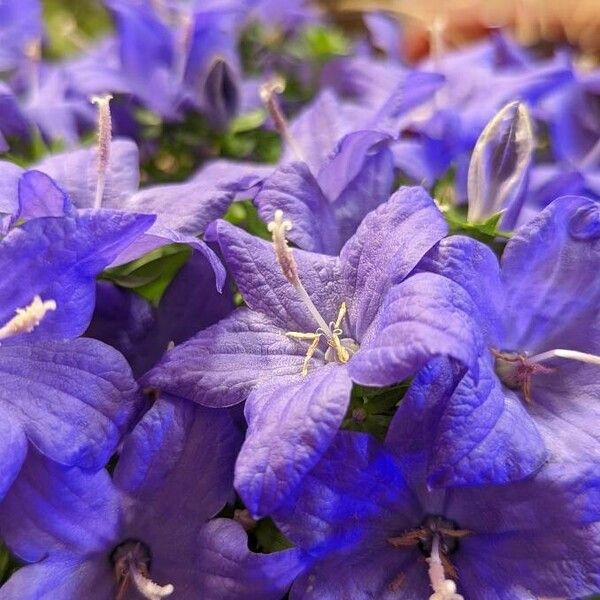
x: 221, y: 365
x: 474, y: 431
x: 39, y: 196
x: 425, y: 316
x: 73, y: 399
x: 58, y: 259
x: 293, y: 189
x: 67, y: 578
x: 253, y: 264
x: 289, y: 428
x: 549, y: 270
x: 228, y: 570
x: 76, y: 173
x: 349, y: 498
x: 178, y: 462
x: 13, y: 450
x: 51, y: 509
x: 386, y: 247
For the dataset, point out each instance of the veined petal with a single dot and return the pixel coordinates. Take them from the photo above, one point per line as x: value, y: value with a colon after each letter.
x: 74, y: 400
x: 13, y: 450
x: 386, y: 247
x: 423, y: 317
x: 473, y: 430
x: 222, y: 364
x: 352, y: 495
x: 289, y: 428
x: 549, y: 271
x: 51, y: 509
x: 253, y: 264
x: 58, y: 259
x: 228, y: 570
x: 39, y: 196
x: 66, y: 577
x: 76, y: 173
x: 293, y: 189
x: 178, y: 462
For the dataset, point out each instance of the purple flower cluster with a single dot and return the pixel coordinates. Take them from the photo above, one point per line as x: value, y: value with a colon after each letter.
x: 387, y: 386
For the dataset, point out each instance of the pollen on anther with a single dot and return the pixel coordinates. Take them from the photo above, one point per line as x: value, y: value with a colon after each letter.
x: 28, y: 318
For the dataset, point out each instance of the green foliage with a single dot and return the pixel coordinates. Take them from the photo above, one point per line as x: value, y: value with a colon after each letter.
x: 72, y: 26
x: 486, y: 231
x: 372, y: 409
x: 268, y: 538
x: 319, y: 43
x: 8, y: 563
x: 24, y: 152
x: 244, y: 215
x: 175, y: 150
x: 150, y: 275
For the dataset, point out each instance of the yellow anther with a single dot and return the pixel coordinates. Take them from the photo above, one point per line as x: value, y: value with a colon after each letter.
x: 309, y: 354
x: 332, y: 335
x: 341, y: 315
x: 302, y: 336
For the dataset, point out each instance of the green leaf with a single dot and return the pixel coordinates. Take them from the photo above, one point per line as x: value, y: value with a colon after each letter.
x: 486, y: 231
x: 248, y: 121
x: 319, y: 43
x: 372, y: 409
x: 150, y: 275
x: 244, y: 215
x: 8, y: 563
x: 269, y: 538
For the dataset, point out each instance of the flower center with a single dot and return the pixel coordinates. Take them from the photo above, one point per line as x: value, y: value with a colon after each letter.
x: 27, y: 318
x: 340, y: 349
x: 131, y: 561
x: 515, y: 369
x: 437, y: 538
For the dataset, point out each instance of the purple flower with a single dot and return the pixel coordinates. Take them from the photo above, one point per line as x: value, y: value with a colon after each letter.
x: 536, y: 381
x: 72, y: 400
x: 329, y: 181
x: 371, y: 528
x: 141, y: 534
x: 20, y: 25
x: 169, y: 59
x: 314, y: 324
x: 182, y: 211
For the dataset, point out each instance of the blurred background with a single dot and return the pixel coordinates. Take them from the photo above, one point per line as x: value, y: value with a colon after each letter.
x: 576, y: 22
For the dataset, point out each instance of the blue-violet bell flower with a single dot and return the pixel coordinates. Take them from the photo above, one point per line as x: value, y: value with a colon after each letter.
x: 145, y: 533
x: 371, y: 528
x: 314, y: 324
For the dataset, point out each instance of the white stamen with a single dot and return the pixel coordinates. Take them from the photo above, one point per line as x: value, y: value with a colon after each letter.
x: 278, y: 228
x: 268, y: 95
x: 28, y: 318
x: 33, y: 53
x: 591, y: 359
x: 186, y: 29
x: 436, y: 41
x: 147, y: 587
x: 443, y: 589
x: 103, y: 144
